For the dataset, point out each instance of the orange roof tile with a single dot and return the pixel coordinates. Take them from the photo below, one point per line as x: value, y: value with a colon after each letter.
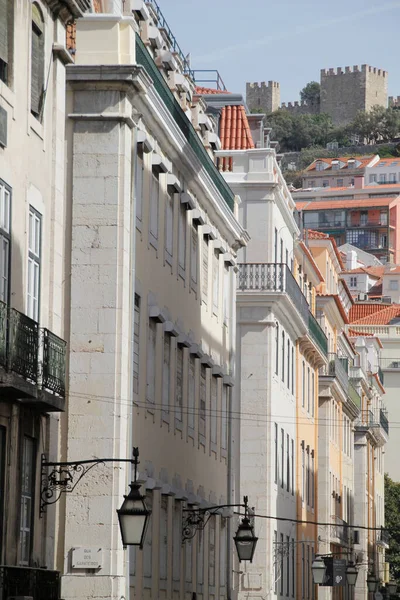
x: 388, y: 161
x: 316, y: 235
x: 353, y: 333
x: 199, y: 90
x: 361, y: 203
x: 364, y: 160
x: 359, y: 311
x: 381, y: 317
x: 376, y: 271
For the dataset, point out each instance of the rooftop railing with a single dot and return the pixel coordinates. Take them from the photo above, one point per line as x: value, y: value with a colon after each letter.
x: 276, y: 277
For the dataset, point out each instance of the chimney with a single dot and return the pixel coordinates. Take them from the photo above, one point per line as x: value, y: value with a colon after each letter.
x: 351, y: 260
x: 358, y: 182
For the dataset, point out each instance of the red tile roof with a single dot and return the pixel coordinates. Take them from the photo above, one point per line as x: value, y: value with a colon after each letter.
x: 359, y: 311
x: 353, y: 333
x: 364, y: 160
x: 327, y: 204
x: 235, y: 131
x: 376, y: 271
x: 389, y: 161
x: 319, y: 235
x: 200, y: 91
x: 380, y: 317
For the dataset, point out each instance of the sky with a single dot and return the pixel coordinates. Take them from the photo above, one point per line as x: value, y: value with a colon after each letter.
x: 288, y: 41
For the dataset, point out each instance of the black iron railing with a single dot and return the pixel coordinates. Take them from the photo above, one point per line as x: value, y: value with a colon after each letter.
x: 336, y: 369
x: 37, y: 356
x: 277, y: 277
x: 39, y: 584
x: 380, y: 375
x: 354, y: 396
x: 340, y: 530
x: 384, y: 421
x: 383, y: 536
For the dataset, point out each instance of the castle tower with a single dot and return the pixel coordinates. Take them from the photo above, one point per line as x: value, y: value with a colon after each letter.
x: 263, y: 97
x: 344, y: 93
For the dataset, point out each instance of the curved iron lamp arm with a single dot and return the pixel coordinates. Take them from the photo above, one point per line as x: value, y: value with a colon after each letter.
x: 63, y: 477
x: 197, y: 518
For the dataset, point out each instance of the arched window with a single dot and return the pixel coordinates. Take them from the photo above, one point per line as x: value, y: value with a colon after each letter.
x: 6, y: 39
x: 37, y: 61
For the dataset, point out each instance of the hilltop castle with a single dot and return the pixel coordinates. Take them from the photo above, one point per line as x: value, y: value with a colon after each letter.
x: 343, y: 94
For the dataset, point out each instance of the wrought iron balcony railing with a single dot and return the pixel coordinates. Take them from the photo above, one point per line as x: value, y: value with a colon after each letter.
x: 384, y: 422
x: 383, y: 537
x: 277, y: 277
x: 39, y: 584
x: 381, y: 376
x: 336, y: 368
x: 36, y: 355
x: 354, y: 396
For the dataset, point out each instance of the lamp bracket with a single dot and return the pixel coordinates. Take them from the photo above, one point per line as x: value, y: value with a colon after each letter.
x: 59, y: 478
x: 196, y: 519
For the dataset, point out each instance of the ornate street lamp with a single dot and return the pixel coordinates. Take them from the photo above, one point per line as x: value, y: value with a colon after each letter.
x: 318, y: 569
x: 391, y: 587
x: 245, y: 540
x: 351, y: 573
x: 134, y: 515
x: 372, y: 583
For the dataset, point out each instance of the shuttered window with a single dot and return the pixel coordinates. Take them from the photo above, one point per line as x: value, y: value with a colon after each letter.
x: 166, y: 372
x: 5, y: 240
x: 227, y: 294
x: 33, y: 283
x: 169, y: 228
x: 215, y: 282
x: 193, y: 258
x: 27, y: 497
x: 139, y: 187
x: 214, y: 400
x: 203, y: 393
x: 136, y: 337
x: 151, y: 360
x: 37, y: 61
x: 154, y: 200
x: 179, y: 383
x: 182, y: 241
x: 205, y: 269
x: 211, y: 553
x: 224, y: 418
x: 148, y: 546
x: 192, y: 374
x: 6, y: 31
x: 163, y: 537
x: 176, y: 542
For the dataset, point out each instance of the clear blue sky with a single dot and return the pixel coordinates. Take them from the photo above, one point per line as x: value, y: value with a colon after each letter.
x: 287, y: 40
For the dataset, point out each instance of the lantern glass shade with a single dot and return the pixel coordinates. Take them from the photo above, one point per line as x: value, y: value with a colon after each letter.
x: 133, y: 517
x: 351, y: 573
x: 318, y: 569
x: 372, y: 583
x: 391, y: 587
x: 245, y: 541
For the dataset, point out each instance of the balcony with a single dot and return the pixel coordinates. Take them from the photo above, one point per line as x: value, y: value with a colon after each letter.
x: 340, y: 531
x: 390, y: 364
x: 336, y: 368
x: 383, y: 420
x: 383, y: 538
x: 354, y: 396
x: 32, y: 362
x: 39, y: 584
x: 277, y: 278
x: 376, y: 425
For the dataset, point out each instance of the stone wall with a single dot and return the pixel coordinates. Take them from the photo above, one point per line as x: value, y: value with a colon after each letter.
x: 301, y: 108
x: 263, y: 97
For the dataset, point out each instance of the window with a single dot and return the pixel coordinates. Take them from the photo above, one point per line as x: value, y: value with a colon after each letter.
x: 214, y: 400
x: 205, y: 270
x: 154, y: 207
x: 392, y: 177
x: 276, y: 246
x: 33, y: 284
x: 312, y: 183
x: 211, y: 553
x: 308, y: 502
x: 292, y: 481
x: 163, y: 536
x: 325, y: 183
x: 303, y: 400
x: 2, y: 473
x: 6, y: 39
x: 203, y: 396
x: 293, y: 568
x: 312, y: 479
x: 287, y: 565
x: 182, y: 240
x: 288, y: 364
x: 281, y: 250
x: 292, y: 369
x: 335, y: 165
x: 282, y: 458
x: 148, y: 545
x: 303, y: 474
x: 393, y: 284
x: 179, y: 382
x: 308, y: 389
x: 27, y: 497
x: 5, y: 240
x: 303, y: 578
x: 276, y: 348
x: 227, y: 295
x: 224, y: 418
x: 166, y: 372
x: 192, y: 375
x: 176, y: 541
x: 319, y: 166
x: 37, y: 62
x: 372, y: 179
x: 222, y: 554
x: 193, y: 258
x: 276, y: 452
x: 136, y: 338
x: 340, y: 182
x: 169, y: 228
x: 382, y: 177
x: 282, y: 563
x: 188, y: 561
x: 287, y: 463
x: 215, y: 282
x: 353, y: 282
x: 363, y: 217
x: 308, y: 571
x: 139, y: 172
x: 151, y: 361
x: 283, y: 356
x: 200, y: 557
x: 383, y: 218
x: 275, y: 555
x: 313, y: 394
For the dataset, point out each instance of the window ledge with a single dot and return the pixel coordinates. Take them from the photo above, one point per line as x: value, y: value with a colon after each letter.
x: 36, y: 126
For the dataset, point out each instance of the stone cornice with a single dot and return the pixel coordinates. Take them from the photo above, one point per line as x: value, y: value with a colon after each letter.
x: 66, y: 10
x: 128, y: 78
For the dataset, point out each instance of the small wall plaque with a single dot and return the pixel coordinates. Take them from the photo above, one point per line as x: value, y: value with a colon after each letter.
x: 86, y: 558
